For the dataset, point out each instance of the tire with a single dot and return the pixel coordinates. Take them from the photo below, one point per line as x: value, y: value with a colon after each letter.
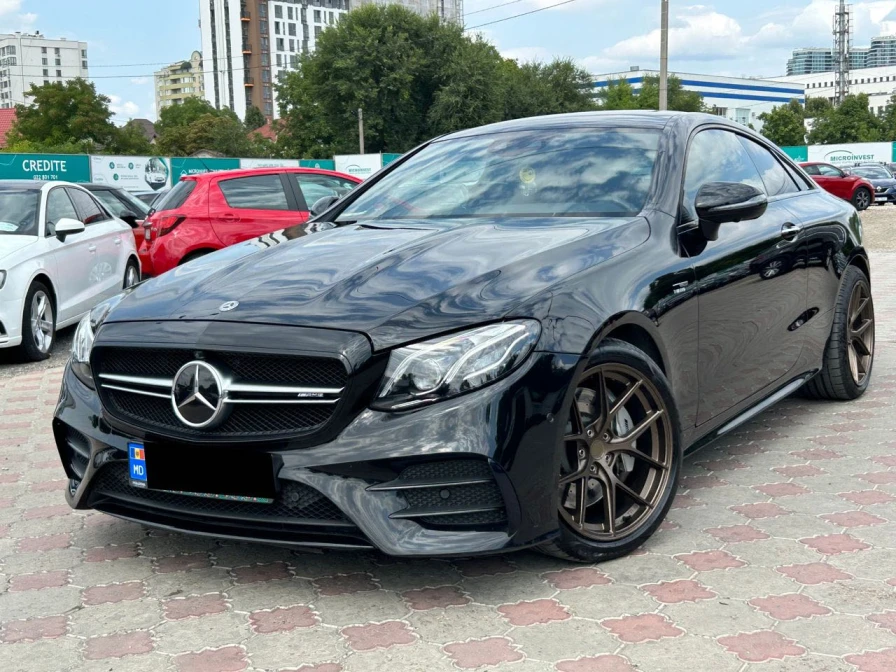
x: 584, y: 537
x: 131, y: 275
x: 861, y: 198
x: 838, y: 380
x: 39, y: 315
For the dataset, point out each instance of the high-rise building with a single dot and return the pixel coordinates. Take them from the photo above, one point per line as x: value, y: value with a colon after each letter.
x: 27, y: 60
x: 179, y: 81
x: 448, y: 10
x: 247, y: 45
x: 807, y: 61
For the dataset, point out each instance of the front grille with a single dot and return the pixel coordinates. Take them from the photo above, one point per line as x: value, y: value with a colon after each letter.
x: 261, y: 369
x: 266, y: 418
x: 296, y: 502
x: 449, y: 494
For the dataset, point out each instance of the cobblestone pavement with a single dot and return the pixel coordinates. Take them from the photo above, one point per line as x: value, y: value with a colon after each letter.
x: 779, y: 555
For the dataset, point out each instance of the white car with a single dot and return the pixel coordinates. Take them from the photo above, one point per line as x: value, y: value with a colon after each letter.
x: 61, y: 253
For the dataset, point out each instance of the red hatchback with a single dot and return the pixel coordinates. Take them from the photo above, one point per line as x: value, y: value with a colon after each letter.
x: 857, y: 190
x: 204, y: 213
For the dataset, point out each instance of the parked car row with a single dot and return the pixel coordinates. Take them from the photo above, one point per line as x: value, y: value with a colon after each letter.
x: 65, y: 247
x: 62, y: 251
x: 204, y: 213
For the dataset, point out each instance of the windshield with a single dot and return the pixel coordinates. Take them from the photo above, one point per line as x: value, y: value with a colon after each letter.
x: 565, y: 172
x: 872, y: 173
x: 18, y: 212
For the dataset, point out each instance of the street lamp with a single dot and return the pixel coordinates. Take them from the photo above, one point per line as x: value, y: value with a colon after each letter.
x: 664, y: 54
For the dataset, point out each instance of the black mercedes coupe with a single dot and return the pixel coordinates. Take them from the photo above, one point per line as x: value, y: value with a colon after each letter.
x: 508, y: 338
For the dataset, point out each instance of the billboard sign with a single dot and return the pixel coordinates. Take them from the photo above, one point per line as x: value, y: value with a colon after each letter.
x: 69, y: 167
x: 184, y: 166
x: 323, y: 164
x: 359, y: 165
x: 269, y: 163
x: 134, y: 173
x: 850, y: 153
x: 797, y: 152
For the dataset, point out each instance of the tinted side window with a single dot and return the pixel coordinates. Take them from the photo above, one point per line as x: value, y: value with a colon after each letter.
x: 314, y: 187
x: 90, y: 210
x: 717, y: 156
x: 829, y: 171
x: 111, y: 202
x: 812, y: 170
x: 59, y: 205
x: 259, y: 192
x: 774, y: 177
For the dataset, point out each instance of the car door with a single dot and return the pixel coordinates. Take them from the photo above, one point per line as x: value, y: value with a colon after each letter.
x: 834, y: 180
x: 250, y: 206
x: 314, y: 186
x: 751, y: 281
x: 75, y: 258
x: 127, y: 208
x: 106, y: 232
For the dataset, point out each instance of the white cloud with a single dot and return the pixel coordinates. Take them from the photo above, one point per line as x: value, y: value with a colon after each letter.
x: 10, y: 6
x: 140, y: 80
x: 703, y: 35
x: 528, y: 54
x: 122, y: 108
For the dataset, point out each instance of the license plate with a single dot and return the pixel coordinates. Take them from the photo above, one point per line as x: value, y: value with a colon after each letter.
x: 202, y: 472
x: 137, y: 464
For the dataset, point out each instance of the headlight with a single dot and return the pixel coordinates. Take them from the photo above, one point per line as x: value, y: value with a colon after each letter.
x: 424, y: 373
x: 82, y: 344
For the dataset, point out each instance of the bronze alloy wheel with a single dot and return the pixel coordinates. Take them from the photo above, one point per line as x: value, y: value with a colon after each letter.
x: 618, y: 451
x: 860, y: 348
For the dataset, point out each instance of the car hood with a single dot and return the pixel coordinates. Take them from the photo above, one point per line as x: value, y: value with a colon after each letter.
x: 13, y: 244
x: 881, y: 181
x: 396, y: 281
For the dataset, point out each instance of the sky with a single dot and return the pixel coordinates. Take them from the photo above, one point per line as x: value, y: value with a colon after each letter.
x: 127, y: 41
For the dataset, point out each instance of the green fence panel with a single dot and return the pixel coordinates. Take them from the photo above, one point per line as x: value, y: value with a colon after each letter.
x: 797, y: 152
x: 70, y: 167
x: 184, y: 166
x: 323, y: 164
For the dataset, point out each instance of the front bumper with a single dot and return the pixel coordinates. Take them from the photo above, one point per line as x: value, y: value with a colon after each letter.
x: 510, y: 430
x: 888, y: 195
x: 11, y: 322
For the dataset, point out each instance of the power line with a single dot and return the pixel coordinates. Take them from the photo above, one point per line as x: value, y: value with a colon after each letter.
x: 515, y: 16
x: 503, y: 4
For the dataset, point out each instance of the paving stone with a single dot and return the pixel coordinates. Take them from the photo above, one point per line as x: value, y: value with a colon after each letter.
x: 456, y: 624
x: 682, y: 654
x: 568, y: 639
x: 601, y: 602
x: 111, y: 617
x: 284, y: 650
x: 837, y: 634
x: 341, y: 610
x: 208, y: 631
x: 718, y: 617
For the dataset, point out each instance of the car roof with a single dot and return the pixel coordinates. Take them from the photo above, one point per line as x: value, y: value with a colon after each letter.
x: 648, y: 119
x: 246, y: 172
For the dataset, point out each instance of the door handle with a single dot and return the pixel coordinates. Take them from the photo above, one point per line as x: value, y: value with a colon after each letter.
x: 229, y: 218
x: 790, y: 231
x: 91, y: 248
x: 118, y: 241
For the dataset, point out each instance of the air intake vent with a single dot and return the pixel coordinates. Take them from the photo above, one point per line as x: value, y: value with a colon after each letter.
x: 449, y: 493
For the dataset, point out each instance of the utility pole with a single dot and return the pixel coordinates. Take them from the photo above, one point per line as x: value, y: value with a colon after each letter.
x: 664, y: 54
x: 361, y: 129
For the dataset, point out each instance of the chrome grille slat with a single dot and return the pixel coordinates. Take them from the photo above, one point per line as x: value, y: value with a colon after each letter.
x: 270, y: 395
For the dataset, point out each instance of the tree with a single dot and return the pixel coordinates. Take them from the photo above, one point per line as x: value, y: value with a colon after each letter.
x: 817, y: 107
x: 784, y: 125
x: 619, y: 95
x: 254, y: 118
x: 851, y: 121
x: 130, y: 140
x: 888, y: 120
x: 413, y: 77
x: 65, y: 117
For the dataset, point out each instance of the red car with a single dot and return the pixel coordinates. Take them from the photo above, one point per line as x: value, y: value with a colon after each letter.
x: 857, y: 190
x: 204, y: 213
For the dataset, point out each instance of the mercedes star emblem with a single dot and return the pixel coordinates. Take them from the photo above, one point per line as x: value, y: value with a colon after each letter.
x: 228, y: 306
x: 197, y: 395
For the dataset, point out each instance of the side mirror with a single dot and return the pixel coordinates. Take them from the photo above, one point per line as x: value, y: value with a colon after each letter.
x: 67, y: 226
x: 721, y: 202
x: 129, y: 217
x: 323, y: 204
